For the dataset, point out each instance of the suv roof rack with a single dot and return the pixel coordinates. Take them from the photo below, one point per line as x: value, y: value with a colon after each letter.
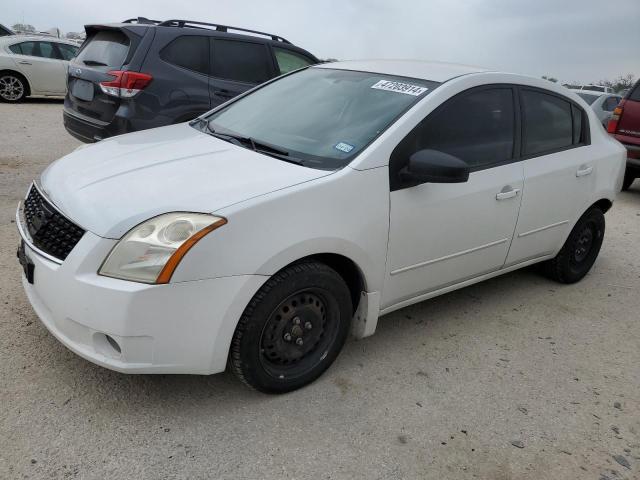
x: 142, y: 21
x: 218, y: 27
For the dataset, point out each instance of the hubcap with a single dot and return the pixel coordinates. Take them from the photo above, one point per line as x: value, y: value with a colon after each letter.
x: 11, y: 88
x: 583, y: 244
x: 294, y: 330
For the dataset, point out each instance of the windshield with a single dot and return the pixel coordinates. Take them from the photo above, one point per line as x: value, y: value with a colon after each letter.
x: 320, y: 117
x: 588, y: 97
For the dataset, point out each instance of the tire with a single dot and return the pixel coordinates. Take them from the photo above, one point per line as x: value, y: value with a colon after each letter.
x: 293, y: 328
x: 580, y: 251
x: 13, y: 87
x: 629, y: 177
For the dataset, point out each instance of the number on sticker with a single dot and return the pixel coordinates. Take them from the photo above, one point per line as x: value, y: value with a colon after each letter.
x: 400, y: 87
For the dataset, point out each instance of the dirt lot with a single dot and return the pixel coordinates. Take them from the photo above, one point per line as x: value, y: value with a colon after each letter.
x: 517, y: 377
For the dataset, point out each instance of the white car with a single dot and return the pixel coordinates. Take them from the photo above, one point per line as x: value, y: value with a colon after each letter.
x: 597, y: 88
x: 261, y: 233
x: 602, y: 103
x: 34, y: 65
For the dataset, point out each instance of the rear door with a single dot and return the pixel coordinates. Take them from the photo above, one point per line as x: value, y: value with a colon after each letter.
x: 104, y: 51
x: 186, y: 78
x: 559, y: 173
x: 237, y: 66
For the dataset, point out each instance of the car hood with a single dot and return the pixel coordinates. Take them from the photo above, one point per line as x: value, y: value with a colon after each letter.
x: 109, y: 187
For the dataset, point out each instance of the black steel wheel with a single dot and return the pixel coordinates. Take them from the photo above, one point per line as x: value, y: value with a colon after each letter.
x: 580, y: 250
x: 293, y: 328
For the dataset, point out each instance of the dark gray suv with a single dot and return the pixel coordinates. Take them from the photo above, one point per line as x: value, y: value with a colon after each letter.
x: 143, y: 73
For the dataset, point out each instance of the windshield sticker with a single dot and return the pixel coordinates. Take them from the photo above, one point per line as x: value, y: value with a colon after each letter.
x: 400, y: 87
x: 344, y: 147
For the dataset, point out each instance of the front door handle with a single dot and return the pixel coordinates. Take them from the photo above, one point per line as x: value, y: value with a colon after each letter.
x: 583, y: 171
x: 24, y: 62
x: 508, y: 194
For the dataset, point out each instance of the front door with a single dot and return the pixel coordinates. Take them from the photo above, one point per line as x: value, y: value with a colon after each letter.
x: 442, y: 234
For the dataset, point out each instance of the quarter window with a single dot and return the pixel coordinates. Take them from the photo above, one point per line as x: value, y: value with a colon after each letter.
x: 289, y: 61
x: 548, y: 123
x: 477, y: 127
x: 241, y: 61
x: 191, y: 52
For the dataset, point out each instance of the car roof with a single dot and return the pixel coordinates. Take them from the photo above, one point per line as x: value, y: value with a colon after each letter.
x: 594, y: 93
x: 39, y: 38
x: 434, y: 71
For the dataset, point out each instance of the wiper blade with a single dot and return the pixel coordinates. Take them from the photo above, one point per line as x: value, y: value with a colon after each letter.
x: 95, y: 63
x: 260, y: 147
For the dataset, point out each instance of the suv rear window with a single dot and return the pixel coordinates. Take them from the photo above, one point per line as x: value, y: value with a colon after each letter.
x: 241, y: 61
x: 106, y: 47
x: 189, y: 51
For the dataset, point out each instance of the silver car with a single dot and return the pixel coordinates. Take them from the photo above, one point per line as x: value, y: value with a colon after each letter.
x: 601, y: 103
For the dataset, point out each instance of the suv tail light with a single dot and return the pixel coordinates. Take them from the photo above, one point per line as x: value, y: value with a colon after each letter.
x: 125, y: 84
x: 612, y: 126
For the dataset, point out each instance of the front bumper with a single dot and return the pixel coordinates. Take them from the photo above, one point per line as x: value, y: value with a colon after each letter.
x: 130, y: 327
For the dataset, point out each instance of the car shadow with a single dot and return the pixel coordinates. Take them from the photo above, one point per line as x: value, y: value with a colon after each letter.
x: 44, y: 100
x: 221, y: 392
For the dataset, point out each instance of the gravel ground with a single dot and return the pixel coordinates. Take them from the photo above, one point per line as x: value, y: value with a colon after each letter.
x: 517, y: 377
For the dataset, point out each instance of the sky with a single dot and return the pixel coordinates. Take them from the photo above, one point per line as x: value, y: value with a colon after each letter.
x: 572, y: 40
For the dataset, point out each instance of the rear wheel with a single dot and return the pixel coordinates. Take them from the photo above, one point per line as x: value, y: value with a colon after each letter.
x: 13, y: 87
x: 580, y: 251
x: 629, y: 176
x: 293, y: 328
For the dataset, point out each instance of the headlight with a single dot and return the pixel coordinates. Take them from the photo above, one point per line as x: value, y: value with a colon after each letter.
x: 150, y: 252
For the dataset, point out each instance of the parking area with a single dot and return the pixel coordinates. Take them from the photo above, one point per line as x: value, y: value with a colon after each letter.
x: 516, y: 377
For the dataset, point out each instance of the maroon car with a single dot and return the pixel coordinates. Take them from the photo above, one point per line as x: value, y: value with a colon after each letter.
x: 625, y: 127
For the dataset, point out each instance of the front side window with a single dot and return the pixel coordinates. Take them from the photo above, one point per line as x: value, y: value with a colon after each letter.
x: 288, y: 61
x: 548, y: 123
x: 24, y: 48
x: 477, y: 127
x: 241, y: 61
x: 191, y: 52
x: 321, y: 116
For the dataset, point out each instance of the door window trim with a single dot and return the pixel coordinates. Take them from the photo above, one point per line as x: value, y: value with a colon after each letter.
x: 586, y: 126
x: 517, y: 128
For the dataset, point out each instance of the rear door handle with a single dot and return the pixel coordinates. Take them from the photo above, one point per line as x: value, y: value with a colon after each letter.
x: 583, y: 171
x: 24, y: 62
x: 508, y: 194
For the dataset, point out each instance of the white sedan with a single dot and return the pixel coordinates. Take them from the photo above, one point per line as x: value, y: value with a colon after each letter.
x: 34, y: 65
x: 260, y: 234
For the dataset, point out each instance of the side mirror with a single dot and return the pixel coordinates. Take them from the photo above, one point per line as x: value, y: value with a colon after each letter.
x: 433, y: 166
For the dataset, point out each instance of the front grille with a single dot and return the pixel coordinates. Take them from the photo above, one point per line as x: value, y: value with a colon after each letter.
x: 50, y: 231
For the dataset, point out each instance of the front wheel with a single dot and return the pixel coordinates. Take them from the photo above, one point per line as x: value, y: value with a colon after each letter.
x: 12, y: 88
x: 293, y: 328
x: 579, y: 252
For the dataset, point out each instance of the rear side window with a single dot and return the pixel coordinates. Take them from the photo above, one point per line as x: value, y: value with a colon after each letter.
x: 477, y: 127
x: 548, y: 123
x: 635, y: 93
x: 105, y: 48
x: 47, y: 50
x: 190, y: 52
x: 611, y: 103
x: 241, y: 61
x: 288, y: 61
